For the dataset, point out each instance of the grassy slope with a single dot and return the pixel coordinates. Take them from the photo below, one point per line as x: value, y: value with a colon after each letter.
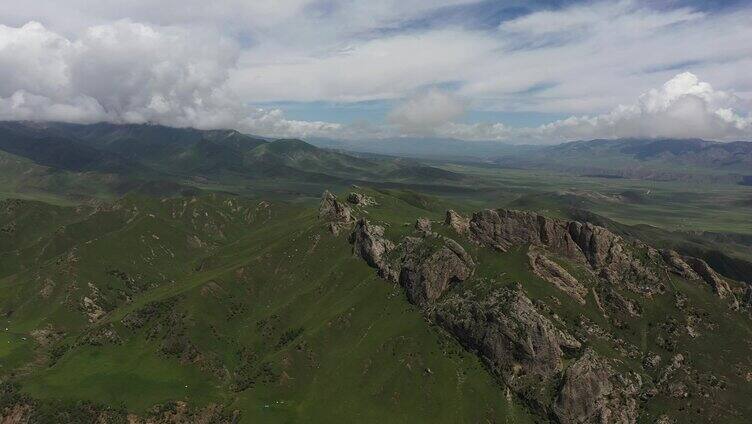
x: 289, y: 325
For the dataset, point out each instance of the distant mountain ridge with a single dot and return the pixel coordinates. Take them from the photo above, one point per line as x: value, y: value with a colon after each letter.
x: 657, y: 159
x: 185, y: 156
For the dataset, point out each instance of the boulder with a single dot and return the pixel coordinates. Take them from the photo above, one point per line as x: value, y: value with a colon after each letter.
x: 593, y: 393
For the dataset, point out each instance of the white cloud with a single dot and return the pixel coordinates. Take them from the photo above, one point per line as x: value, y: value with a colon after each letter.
x: 272, y: 123
x: 198, y: 63
x: 684, y: 107
x: 424, y: 112
x: 130, y: 72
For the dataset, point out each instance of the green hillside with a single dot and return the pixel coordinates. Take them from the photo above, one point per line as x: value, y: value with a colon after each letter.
x: 235, y: 307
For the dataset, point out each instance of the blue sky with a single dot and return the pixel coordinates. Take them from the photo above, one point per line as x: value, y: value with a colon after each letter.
x: 511, y: 71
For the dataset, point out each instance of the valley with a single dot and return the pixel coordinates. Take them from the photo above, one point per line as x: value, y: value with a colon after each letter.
x: 217, y: 277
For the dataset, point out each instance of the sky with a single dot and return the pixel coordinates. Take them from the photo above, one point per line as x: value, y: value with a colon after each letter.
x: 510, y: 71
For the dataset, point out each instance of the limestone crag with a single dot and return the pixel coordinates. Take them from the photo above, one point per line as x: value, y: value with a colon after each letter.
x: 426, y: 266
x: 520, y: 345
x: 708, y: 274
x: 552, y: 272
x: 502, y: 229
x: 429, y: 267
x: 593, y: 393
x: 369, y: 243
x: 623, y: 263
x: 459, y: 223
x: 678, y: 266
x: 360, y: 199
x: 335, y: 213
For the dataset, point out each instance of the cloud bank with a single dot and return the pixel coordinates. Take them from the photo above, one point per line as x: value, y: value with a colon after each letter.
x: 210, y: 64
x: 683, y: 107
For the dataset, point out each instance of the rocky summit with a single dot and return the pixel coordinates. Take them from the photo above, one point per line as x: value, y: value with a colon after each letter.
x: 551, y: 363
x: 360, y: 304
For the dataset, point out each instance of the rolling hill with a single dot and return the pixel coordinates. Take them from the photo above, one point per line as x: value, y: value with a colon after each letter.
x: 153, y: 157
x: 218, y: 308
x: 656, y: 159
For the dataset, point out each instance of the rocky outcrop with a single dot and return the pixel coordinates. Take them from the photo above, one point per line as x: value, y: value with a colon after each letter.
x: 457, y: 222
x: 423, y: 225
x: 716, y: 282
x: 369, y: 243
x: 520, y: 345
x: 612, y: 258
x: 616, y: 303
x: 336, y: 214
x: 429, y: 267
x: 747, y: 297
x: 502, y: 229
x: 603, y: 252
x: 677, y: 265
x: 425, y: 266
x: 593, y: 393
x: 552, y: 272
x: 360, y: 199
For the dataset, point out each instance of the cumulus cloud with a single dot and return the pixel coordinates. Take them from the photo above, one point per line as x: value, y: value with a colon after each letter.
x: 272, y: 122
x: 425, y: 112
x: 198, y: 63
x: 132, y: 73
x: 683, y: 107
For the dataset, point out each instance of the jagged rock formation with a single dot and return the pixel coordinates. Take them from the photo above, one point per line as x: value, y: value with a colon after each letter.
x: 552, y: 272
x: 427, y: 271
x: 360, y: 199
x: 521, y: 346
x: 708, y: 274
x: 370, y: 244
x: 423, y: 224
x: 459, y: 223
x: 425, y: 266
x: 629, y: 264
x: 593, y: 393
x: 526, y: 344
x: 336, y: 214
x: 747, y: 298
x: 677, y: 265
x: 503, y: 229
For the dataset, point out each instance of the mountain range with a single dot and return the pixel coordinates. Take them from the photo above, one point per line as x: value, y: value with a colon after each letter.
x: 157, y: 275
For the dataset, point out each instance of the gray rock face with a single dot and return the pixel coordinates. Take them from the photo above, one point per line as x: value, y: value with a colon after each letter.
x: 502, y: 229
x: 747, y: 298
x: 519, y: 344
x: 370, y: 244
x: 459, y: 223
x: 717, y: 283
x: 336, y: 214
x: 677, y: 265
x: 423, y: 224
x: 425, y: 266
x: 360, y: 199
x: 427, y: 272
x: 611, y: 257
x: 552, y: 272
x: 623, y: 263
x: 593, y: 393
